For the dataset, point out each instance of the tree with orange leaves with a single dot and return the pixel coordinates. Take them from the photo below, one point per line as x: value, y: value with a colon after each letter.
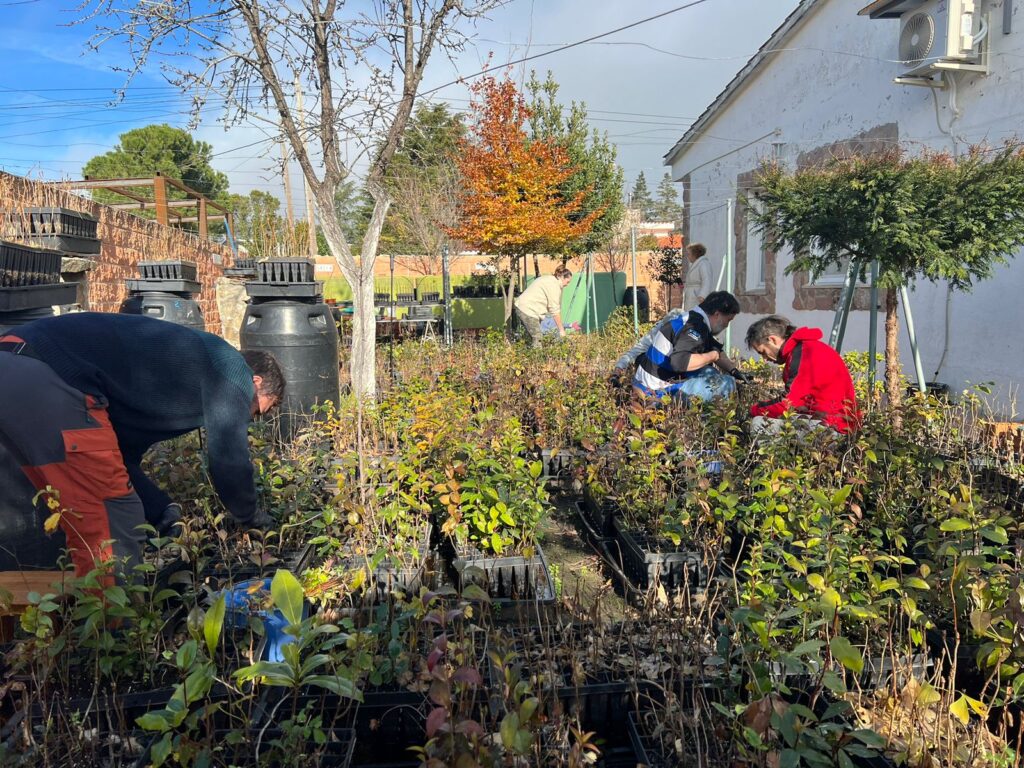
x: 510, y: 204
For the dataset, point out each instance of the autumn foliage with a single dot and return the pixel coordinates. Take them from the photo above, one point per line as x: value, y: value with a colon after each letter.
x: 510, y: 203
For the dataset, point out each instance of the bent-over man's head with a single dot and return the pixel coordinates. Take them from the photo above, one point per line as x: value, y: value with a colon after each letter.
x: 563, y: 274
x: 267, y: 378
x: 720, y: 307
x: 768, y: 335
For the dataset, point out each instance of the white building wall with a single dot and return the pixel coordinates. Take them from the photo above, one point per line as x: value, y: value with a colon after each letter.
x: 833, y: 81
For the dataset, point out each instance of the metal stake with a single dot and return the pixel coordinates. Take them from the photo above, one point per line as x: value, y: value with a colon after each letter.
x: 873, y: 328
x: 446, y: 288
x: 918, y: 368
x: 730, y: 246
x: 843, y: 308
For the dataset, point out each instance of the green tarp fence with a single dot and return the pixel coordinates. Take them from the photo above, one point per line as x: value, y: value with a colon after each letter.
x: 578, y: 307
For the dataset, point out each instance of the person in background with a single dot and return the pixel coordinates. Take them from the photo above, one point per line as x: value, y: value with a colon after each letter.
x: 819, y: 389
x: 542, y: 297
x: 699, y: 278
x: 83, y: 395
x: 685, y: 360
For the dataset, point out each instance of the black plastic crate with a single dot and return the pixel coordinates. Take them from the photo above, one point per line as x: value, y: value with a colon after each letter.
x: 648, y: 561
x: 387, y: 579
x: 286, y: 271
x: 22, y: 266
x: 60, y: 229
x: 420, y: 312
x: 431, y: 297
x: 382, y: 298
x: 34, y: 222
x: 598, y: 514
x: 220, y: 574
x: 37, y: 296
x: 518, y: 586
x: 172, y: 269
x: 185, y: 288
x: 385, y: 724
x: 246, y: 264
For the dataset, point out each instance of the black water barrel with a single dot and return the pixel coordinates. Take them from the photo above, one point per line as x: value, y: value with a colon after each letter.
x: 303, y: 337
x: 643, y: 302
x: 178, y: 308
x: 10, y: 320
x: 23, y: 542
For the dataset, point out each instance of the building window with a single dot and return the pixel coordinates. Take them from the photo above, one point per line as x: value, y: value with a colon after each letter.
x: 834, y: 274
x: 755, y: 258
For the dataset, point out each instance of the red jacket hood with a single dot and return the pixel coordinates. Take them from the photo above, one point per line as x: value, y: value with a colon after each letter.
x: 801, y: 334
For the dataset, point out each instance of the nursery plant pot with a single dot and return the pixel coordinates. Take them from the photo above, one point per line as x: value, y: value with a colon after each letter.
x: 648, y: 561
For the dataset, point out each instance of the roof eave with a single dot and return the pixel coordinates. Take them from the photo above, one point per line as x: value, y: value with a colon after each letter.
x: 736, y: 84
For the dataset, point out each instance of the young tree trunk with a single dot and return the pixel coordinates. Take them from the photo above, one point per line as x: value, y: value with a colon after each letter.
x: 892, y: 353
x: 510, y: 292
x: 536, y: 266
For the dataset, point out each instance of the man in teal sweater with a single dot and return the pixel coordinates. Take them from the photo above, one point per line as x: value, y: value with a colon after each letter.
x: 83, y: 396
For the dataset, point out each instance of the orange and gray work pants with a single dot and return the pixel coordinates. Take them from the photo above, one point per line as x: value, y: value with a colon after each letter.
x: 62, y: 438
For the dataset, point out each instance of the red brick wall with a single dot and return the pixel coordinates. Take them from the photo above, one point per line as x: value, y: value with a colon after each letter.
x: 126, y: 239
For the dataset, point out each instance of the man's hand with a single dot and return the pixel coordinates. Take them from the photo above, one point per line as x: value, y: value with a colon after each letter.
x: 740, y: 376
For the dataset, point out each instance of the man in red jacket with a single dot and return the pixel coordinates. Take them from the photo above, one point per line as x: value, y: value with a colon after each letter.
x: 818, y: 385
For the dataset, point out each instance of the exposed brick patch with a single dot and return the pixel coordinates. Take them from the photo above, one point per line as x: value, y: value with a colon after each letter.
x: 753, y: 300
x: 874, y: 140
x: 878, y: 139
x: 126, y: 240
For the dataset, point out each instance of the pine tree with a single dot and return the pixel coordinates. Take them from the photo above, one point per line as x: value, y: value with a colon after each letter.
x: 666, y: 207
x: 640, y: 198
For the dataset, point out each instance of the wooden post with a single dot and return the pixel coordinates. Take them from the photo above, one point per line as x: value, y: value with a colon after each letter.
x: 160, y: 198
x: 203, y: 222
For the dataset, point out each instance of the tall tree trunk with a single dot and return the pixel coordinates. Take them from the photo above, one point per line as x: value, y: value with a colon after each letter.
x: 363, y: 362
x: 536, y: 266
x: 892, y: 353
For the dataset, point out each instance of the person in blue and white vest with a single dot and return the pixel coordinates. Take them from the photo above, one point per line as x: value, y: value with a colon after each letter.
x: 683, y: 359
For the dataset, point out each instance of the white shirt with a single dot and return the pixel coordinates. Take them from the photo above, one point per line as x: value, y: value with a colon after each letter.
x: 699, y: 282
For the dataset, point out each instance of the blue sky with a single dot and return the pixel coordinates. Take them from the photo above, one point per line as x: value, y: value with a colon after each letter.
x: 643, y: 85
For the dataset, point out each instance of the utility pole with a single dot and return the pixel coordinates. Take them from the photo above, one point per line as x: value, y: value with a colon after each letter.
x: 287, y: 187
x: 310, y: 216
x: 632, y: 251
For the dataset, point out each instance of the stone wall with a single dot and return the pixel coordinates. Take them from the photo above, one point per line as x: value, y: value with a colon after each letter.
x: 126, y: 239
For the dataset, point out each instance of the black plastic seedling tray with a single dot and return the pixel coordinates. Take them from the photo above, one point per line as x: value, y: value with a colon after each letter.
x: 648, y: 561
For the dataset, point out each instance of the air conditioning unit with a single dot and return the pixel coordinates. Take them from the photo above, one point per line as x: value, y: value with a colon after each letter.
x: 942, y: 35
